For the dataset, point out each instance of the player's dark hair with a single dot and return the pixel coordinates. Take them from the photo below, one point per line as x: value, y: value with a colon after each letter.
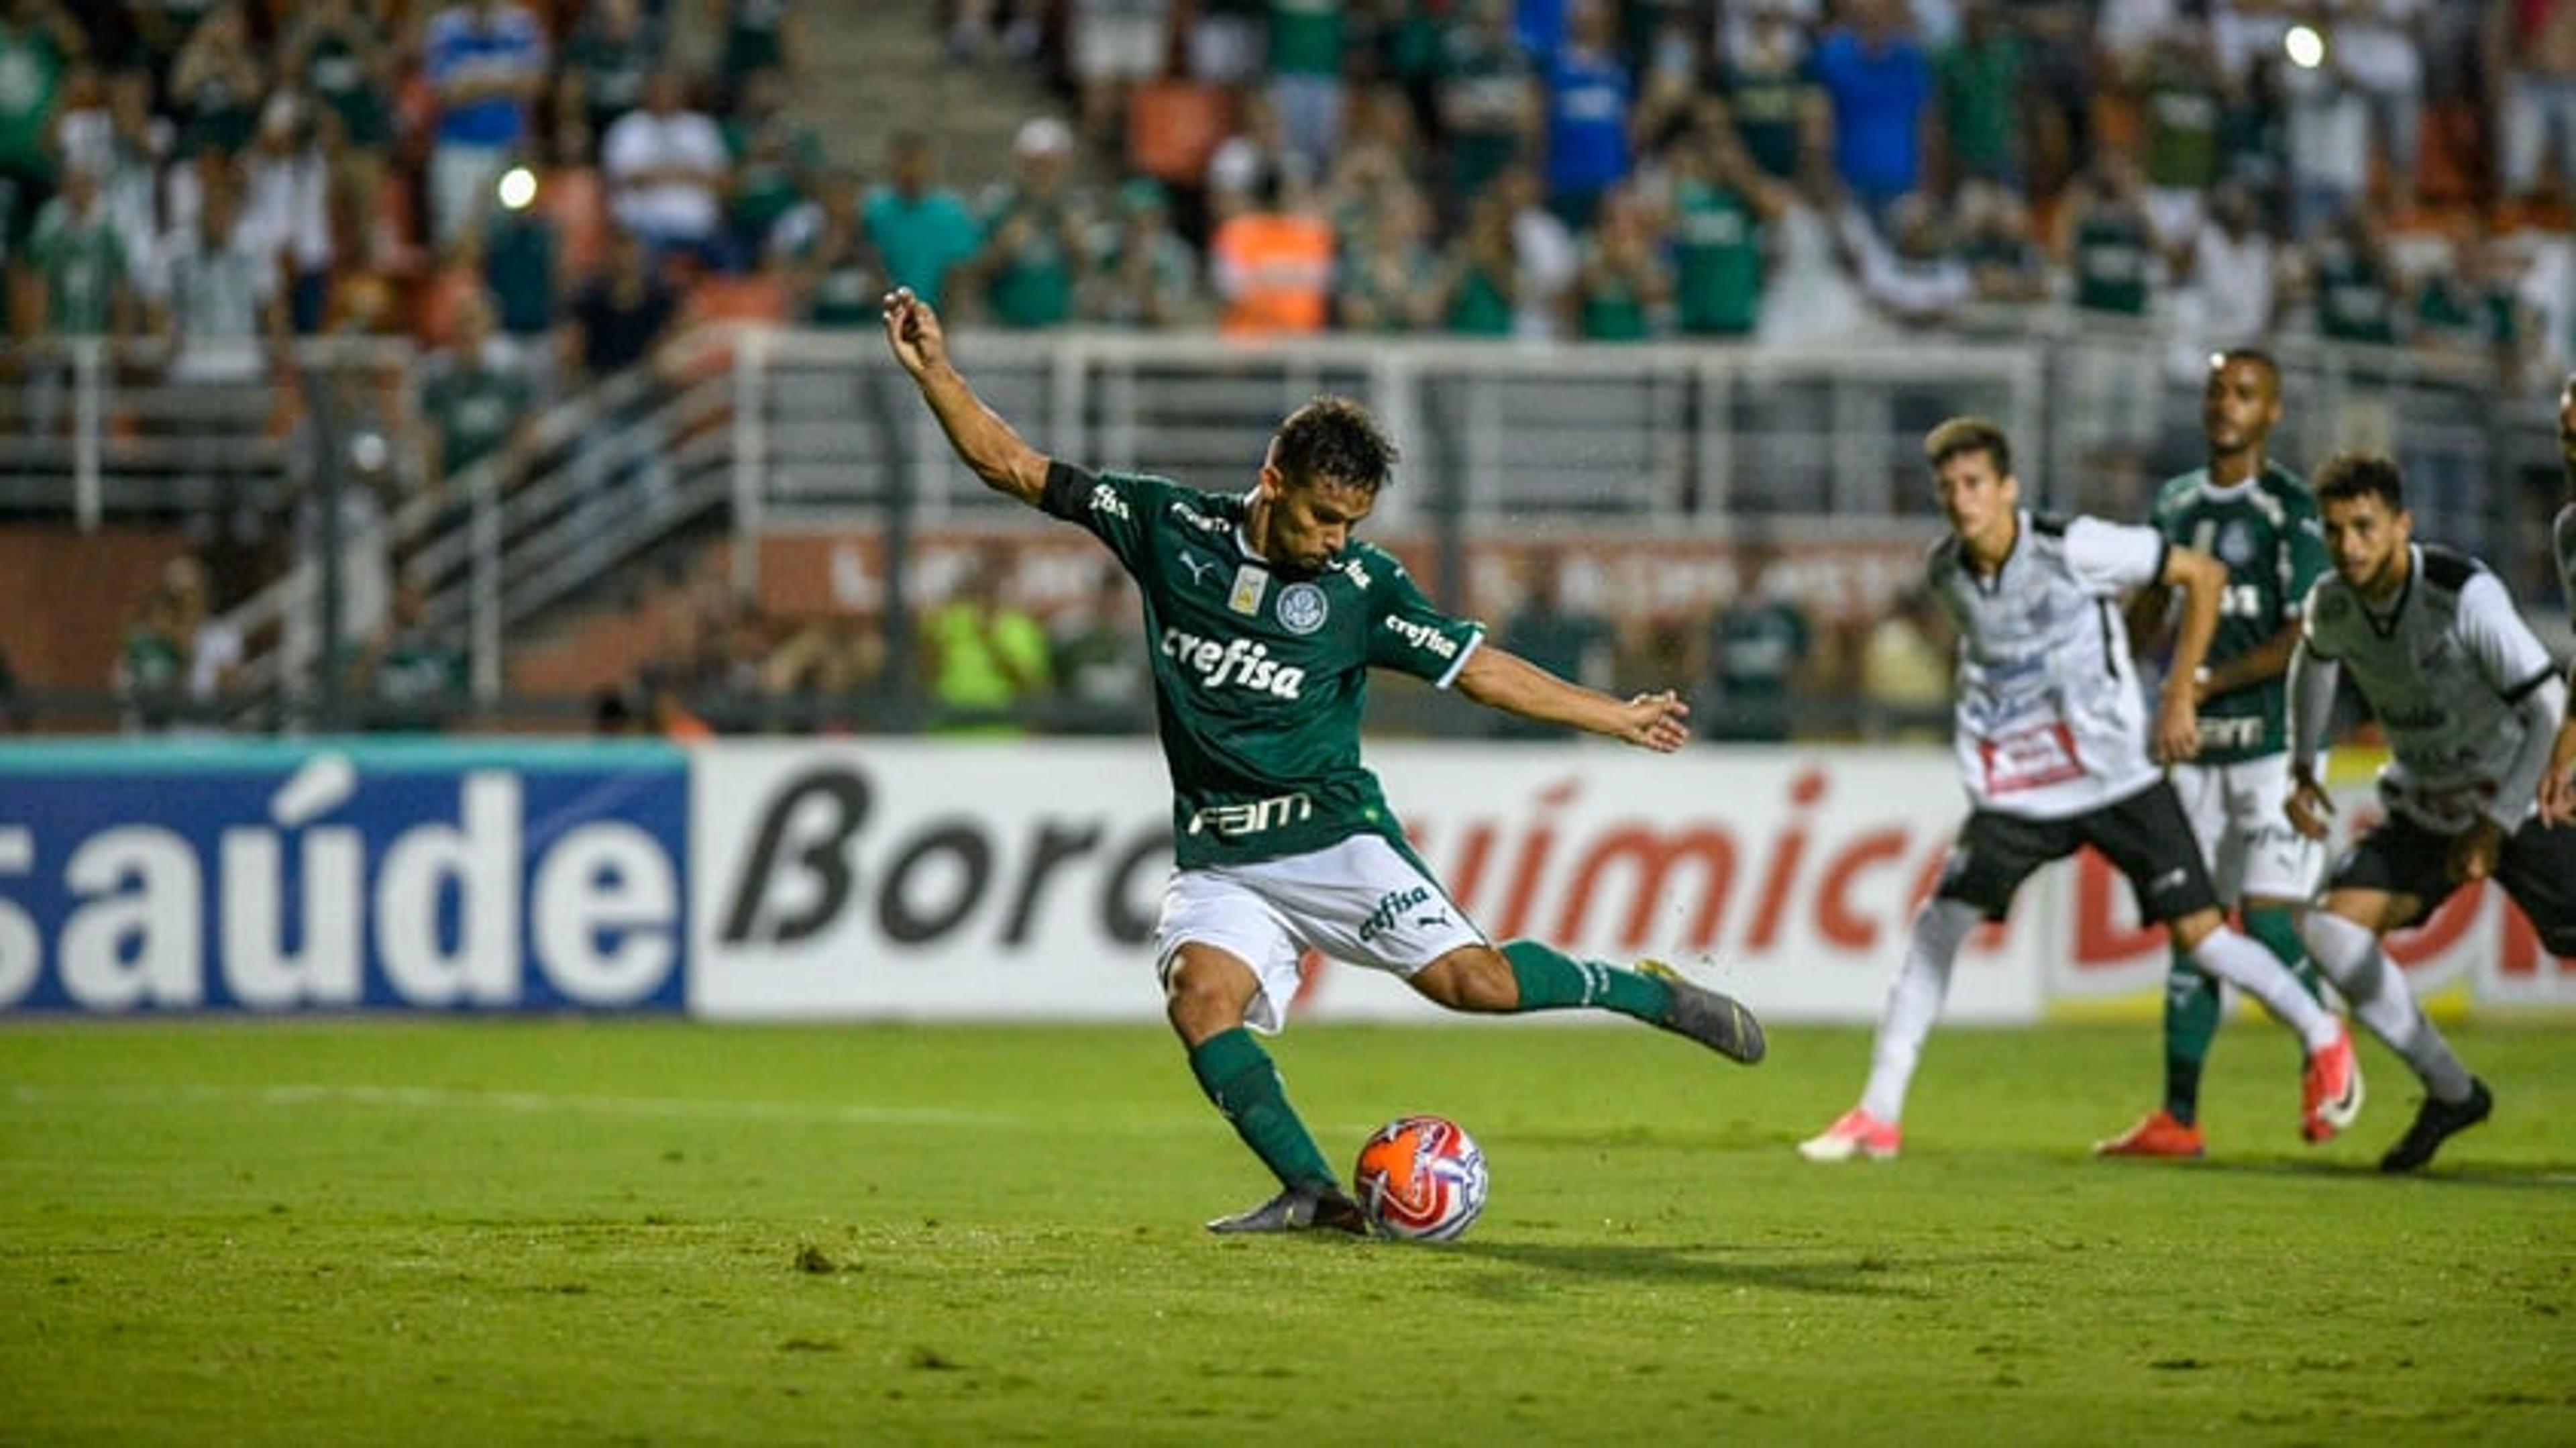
x: 2270, y: 364
x: 2349, y: 475
x: 1334, y: 439
x: 1967, y: 435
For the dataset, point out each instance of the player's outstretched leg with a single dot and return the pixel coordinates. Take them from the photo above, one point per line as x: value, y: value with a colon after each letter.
x: 1238, y: 1077
x: 1715, y: 1020
x: 1547, y: 979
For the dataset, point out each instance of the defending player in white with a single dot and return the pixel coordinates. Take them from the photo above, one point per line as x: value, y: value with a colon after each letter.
x: 2054, y: 747
x: 2468, y: 698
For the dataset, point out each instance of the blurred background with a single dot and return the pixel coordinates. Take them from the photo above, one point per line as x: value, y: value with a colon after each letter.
x: 504, y: 367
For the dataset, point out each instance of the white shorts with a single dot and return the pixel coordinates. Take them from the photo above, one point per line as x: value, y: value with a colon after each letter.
x: 1362, y: 901
x: 2239, y: 814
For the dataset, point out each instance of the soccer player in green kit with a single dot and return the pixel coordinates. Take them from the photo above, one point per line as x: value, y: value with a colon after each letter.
x: 1264, y: 617
x: 2258, y: 518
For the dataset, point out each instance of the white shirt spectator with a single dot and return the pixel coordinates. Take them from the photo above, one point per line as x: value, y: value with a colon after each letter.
x: 215, y: 296
x: 286, y: 202
x: 2229, y: 301
x: 2374, y: 45
x: 666, y: 169
x: 1548, y: 261
x: 1809, y: 296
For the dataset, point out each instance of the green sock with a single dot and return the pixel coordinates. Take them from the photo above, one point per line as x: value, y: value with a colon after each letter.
x: 2278, y: 929
x: 1237, y: 1075
x: 2191, y: 1023
x: 1551, y: 980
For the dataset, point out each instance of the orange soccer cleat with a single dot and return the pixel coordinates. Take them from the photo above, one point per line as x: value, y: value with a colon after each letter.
x: 2159, y: 1136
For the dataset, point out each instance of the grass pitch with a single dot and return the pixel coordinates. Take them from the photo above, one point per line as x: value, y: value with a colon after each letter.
x: 578, y: 1231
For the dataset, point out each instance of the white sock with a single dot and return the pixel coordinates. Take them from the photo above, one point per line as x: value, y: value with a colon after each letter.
x: 2245, y: 964
x: 1914, y: 1003
x: 2350, y: 956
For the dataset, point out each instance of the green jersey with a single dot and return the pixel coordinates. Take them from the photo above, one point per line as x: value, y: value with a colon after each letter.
x: 81, y: 260
x: 2113, y: 253
x: 2354, y: 303
x: 1717, y: 260
x: 2265, y: 531
x: 475, y: 409
x: 1260, y: 675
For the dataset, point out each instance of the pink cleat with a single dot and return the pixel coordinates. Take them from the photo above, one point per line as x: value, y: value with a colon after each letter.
x: 2331, y: 1098
x: 1855, y: 1133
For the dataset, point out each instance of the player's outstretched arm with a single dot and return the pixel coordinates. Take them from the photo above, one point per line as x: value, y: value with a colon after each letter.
x: 1499, y: 679
x: 984, y: 442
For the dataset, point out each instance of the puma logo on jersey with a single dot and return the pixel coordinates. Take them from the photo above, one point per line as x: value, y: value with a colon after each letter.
x: 1424, y: 637
x: 1238, y: 663
x: 1199, y: 567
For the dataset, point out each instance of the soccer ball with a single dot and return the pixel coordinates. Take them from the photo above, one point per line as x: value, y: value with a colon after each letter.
x: 1421, y: 1178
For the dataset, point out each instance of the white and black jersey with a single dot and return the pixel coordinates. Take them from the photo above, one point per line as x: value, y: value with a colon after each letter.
x: 2050, y: 718
x: 2445, y: 668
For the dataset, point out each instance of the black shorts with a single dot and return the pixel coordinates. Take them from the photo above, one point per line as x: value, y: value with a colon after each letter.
x: 2146, y: 835
x: 2537, y: 869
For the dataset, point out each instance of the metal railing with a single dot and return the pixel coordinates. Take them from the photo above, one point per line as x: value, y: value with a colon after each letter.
x: 785, y: 431
x: 92, y: 426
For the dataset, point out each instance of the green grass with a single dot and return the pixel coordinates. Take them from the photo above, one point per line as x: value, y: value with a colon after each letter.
x: 584, y: 1231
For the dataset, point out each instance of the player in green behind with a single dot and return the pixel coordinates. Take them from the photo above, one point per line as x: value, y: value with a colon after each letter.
x: 2259, y: 520
x: 1264, y: 617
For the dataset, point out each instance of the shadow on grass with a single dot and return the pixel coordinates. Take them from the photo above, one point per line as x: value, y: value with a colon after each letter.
x: 1862, y: 1276
x: 2549, y: 1176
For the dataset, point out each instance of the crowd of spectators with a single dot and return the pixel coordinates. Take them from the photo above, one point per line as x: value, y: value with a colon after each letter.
x: 539, y: 191
x: 2368, y: 171
x: 216, y: 172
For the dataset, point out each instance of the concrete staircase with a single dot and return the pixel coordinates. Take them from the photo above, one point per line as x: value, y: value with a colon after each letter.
x: 876, y: 67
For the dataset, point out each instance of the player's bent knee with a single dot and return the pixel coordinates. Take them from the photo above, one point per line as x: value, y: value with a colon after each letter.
x: 1206, y: 993
x: 2190, y: 930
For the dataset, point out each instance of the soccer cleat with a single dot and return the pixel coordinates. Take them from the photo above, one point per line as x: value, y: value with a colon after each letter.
x: 2435, y: 1123
x: 2330, y: 1089
x: 1719, y: 1022
x: 2159, y: 1135
x: 1299, y: 1209
x: 1855, y: 1133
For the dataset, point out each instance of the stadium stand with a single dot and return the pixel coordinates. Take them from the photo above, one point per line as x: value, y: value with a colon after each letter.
x: 241, y: 237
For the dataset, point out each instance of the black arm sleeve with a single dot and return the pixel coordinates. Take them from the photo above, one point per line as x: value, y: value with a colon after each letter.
x: 1066, y: 487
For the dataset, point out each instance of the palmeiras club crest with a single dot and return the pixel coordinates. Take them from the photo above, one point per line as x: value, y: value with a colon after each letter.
x: 1302, y: 608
